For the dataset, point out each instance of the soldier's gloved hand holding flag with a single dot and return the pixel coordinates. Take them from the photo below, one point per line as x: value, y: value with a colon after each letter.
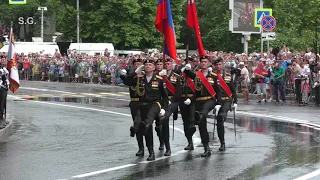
x: 188, y: 67
x: 187, y: 102
x: 162, y: 112
x: 235, y: 106
x: 217, y: 108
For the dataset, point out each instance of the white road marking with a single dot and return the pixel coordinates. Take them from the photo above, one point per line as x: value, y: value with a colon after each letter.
x: 309, y: 176
x: 127, y: 93
x: 102, y: 171
x: 195, y: 139
x: 305, y: 177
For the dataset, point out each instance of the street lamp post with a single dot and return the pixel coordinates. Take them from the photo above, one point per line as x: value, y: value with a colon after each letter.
x: 78, y: 23
x: 42, y: 9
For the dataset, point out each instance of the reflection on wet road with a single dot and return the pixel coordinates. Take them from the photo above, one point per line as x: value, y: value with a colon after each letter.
x: 89, y: 132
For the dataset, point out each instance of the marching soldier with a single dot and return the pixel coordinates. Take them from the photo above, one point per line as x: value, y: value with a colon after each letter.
x: 172, y: 81
x: 154, y: 100
x: 159, y: 128
x: 207, y: 97
x: 4, y: 86
x: 135, y: 100
x: 229, y: 97
x: 185, y: 90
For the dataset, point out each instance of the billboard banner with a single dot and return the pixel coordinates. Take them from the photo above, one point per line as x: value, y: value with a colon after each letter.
x: 243, y: 16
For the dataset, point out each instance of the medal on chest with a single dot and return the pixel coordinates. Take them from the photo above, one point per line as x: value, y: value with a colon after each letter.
x: 155, y: 84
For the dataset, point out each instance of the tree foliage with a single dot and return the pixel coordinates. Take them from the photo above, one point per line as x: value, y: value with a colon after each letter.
x: 129, y: 24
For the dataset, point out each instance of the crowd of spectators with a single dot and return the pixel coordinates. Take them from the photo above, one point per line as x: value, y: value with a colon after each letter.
x: 262, y: 73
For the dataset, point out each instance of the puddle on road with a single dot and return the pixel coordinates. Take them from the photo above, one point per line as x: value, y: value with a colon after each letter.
x: 80, y: 100
x: 296, y: 147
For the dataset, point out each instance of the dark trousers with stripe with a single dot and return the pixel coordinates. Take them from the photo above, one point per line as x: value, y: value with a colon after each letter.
x: 222, y: 116
x: 135, y: 113
x: 204, y: 107
x: 148, y: 112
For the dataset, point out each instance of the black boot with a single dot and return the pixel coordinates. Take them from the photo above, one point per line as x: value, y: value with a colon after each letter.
x: 151, y: 154
x: 207, y: 151
x: 222, y: 147
x: 132, y: 131
x: 190, y: 145
x: 140, y: 152
x: 168, y: 150
x: 161, y: 147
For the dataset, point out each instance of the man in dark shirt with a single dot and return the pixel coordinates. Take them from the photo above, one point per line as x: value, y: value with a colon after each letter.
x: 207, y: 97
x: 229, y: 97
x: 154, y: 100
x: 135, y: 100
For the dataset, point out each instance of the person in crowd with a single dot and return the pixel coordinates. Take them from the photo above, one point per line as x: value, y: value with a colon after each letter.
x: 260, y: 74
x: 278, y: 73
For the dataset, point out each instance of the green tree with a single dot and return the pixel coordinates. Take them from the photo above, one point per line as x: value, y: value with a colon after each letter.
x: 127, y: 23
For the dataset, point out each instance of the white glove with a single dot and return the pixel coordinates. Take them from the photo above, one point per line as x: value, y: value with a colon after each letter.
x: 235, y: 106
x: 217, y: 108
x: 188, y: 66
x: 210, y: 69
x: 169, y: 102
x: 123, y: 72
x: 182, y: 70
x: 163, y: 72
x: 139, y: 69
x: 162, y: 112
x: 187, y: 102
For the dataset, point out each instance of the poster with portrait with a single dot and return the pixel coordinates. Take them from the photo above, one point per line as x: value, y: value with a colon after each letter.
x: 243, y: 16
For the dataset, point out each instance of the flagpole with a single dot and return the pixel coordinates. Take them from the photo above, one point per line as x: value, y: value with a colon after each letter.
x: 188, y: 38
x: 163, y: 40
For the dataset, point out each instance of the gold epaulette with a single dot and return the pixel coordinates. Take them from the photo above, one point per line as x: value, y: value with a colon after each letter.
x: 159, y: 77
x: 213, y: 73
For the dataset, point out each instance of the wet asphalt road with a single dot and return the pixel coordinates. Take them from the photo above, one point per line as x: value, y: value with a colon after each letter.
x: 64, y: 131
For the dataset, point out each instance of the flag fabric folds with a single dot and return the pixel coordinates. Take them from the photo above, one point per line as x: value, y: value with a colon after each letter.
x: 193, y: 22
x: 12, y: 68
x: 164, y: 24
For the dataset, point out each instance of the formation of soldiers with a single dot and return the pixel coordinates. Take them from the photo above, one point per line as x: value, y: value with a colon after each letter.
x: 157, y: 90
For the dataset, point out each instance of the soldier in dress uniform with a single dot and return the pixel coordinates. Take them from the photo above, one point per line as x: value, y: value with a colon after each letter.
x: 4, y: 86
x: 158, y: 128
x: 172, y: 81
x: 207, y: 96
x: 135, y: 100
x: 185, y: 90
x: 229, y: 97
x: 154, y: 101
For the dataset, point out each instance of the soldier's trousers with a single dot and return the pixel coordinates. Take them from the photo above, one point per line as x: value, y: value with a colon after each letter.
x: 3, y: 99
x: 149, y: 112
x: 187, y: 113
x: 222, y: 116
x: 204, y: 107
x: 135, y: 113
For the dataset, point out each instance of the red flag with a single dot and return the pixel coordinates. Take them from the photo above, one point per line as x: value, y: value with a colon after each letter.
x: 164, y: 24
x: 192, y: 22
